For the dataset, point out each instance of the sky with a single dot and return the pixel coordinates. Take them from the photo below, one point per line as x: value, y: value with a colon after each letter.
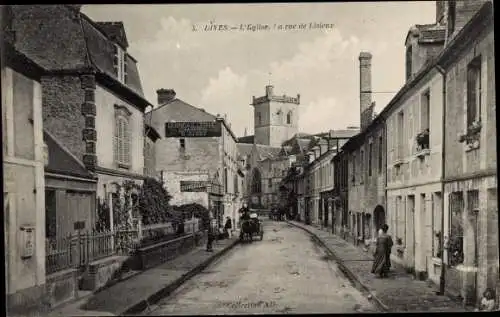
x: 220, y: 70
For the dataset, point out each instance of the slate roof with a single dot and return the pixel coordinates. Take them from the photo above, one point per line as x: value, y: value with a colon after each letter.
x: 115, y: 32
x: 344, y: 134
x: 61, y: 161
x: 177, y: 110
x: 429, y: 33
x: 62, y: 39
x: 249, y: 139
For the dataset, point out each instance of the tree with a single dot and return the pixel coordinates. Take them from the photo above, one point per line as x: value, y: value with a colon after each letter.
x: 154, y: 202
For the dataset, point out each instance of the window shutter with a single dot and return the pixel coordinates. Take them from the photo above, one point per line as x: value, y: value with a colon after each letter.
x: 471, y: 95
x: 116, y: 61
x: 125, y: 69
x: 115, y: 141
x: 126, y: 134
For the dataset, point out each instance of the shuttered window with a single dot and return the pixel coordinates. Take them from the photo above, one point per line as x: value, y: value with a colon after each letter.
x: 122, y: 142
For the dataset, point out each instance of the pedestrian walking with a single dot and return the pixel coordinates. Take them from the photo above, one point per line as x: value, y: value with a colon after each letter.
x: 229, y: 227
x: 382, y: 255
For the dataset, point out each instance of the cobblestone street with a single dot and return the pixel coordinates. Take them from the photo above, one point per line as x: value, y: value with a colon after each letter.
x: 286, y: 272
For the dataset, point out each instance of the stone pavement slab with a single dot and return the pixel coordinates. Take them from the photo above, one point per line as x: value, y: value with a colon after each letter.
x: 119, y: 298
x: 400, y: 292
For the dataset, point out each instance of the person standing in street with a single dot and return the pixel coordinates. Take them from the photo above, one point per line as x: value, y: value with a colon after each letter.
x: 228, y: 226
x: 382, y: 261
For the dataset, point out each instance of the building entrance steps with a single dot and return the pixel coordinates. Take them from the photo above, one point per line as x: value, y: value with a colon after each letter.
x: 135, y: 294
x: 400, y: 292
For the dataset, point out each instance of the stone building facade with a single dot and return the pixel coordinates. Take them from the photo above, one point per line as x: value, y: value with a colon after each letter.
x: 23, y: 181
x: 414, y: 156
x: 212, y: 154
x: 275, y: 122
x: 89, y: 84
x: 365, y: 154
x: 276, y: 118
x: 470, y: 164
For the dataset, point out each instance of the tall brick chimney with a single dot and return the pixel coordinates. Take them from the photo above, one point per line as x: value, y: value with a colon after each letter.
x: 365, y: 87
x: 165, y: 96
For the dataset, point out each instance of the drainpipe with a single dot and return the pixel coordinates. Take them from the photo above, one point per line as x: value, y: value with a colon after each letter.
x: 442, y: 279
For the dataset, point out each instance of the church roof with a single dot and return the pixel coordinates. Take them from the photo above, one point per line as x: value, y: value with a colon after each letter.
x: 267, y: 151
x: 246, y: 139
x: 244, y: 149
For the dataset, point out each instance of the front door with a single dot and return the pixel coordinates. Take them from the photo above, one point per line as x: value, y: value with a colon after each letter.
x: 410, y: 230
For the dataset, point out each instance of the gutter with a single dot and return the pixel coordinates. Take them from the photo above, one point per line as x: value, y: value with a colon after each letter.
x: 442, y: 277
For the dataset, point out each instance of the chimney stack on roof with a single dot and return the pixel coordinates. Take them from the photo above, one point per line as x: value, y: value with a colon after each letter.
x: 365, y: 88
x: 165, y: 96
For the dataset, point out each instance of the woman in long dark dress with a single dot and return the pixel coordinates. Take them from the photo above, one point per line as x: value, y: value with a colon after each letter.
x: 382, y: 261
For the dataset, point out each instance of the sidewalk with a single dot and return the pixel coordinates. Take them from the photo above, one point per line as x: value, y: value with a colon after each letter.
x: 138, y: 292
x: 397, y: 293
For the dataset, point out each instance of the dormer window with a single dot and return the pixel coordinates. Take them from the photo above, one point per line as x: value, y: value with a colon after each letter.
x: 120, y: 63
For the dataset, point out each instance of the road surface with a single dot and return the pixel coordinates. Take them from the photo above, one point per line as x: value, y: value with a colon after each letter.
x: 285, y: 273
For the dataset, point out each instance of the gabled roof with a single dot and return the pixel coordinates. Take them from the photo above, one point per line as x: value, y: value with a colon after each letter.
x: 115, y: 32
x: 67, y: 41
x: 178, y: 110
x: 61, y: 161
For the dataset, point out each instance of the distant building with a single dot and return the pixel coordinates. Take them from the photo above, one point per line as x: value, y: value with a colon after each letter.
x: 275, y: 121
x: 365, y: 155
x: 196, y: 146
x: 276, y: 118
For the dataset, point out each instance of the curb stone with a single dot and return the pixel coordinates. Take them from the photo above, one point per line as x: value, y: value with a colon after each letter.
x: 347, y: 272
x: 168, y: 289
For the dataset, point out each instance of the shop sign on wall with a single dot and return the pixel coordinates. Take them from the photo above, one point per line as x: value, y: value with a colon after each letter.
x: 193, y: 129
x: 193, y: 186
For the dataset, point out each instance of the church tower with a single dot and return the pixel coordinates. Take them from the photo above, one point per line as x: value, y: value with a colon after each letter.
x: 276, y: 118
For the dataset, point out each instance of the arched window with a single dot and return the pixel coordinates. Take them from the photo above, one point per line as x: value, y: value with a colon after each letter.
x: 256, y: 182
x: 289, y: 117
x: 122, y: 141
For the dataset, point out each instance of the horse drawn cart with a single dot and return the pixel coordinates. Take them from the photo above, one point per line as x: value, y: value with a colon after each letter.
x: 250, y: 228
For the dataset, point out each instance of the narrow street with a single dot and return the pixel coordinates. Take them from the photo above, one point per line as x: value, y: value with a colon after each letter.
x: 285, y: 273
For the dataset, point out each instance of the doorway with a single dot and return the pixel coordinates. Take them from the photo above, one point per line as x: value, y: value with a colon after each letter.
x: 410, y: 230
x: 379, y: 216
